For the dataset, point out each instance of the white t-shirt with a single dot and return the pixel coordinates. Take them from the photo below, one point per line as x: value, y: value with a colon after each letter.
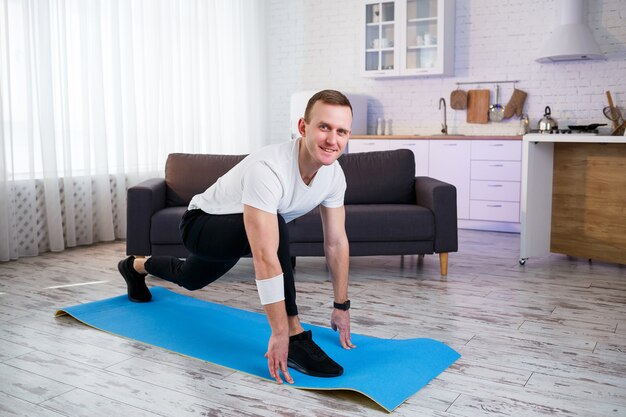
x: 270, y: 180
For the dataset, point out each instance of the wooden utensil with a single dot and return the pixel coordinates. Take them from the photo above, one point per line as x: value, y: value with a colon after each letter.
x: 478, y: 106
x: 620, y: 130
x: 614, y: 117
x: 458, y: 100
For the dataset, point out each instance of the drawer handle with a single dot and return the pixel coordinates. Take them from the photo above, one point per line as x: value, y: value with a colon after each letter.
x: 449, y: 144
x: 497, y: 144
x: 496, y: 165
x: 494, y: 185
x: 494, y: 205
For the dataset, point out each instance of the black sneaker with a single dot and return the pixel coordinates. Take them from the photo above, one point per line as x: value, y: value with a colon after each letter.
x: 138, y: 291
x: 307, y: 357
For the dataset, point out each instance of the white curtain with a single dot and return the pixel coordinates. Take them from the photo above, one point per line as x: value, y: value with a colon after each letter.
x: 94, y: 94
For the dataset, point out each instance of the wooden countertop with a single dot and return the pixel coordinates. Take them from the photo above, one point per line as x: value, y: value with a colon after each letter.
x: 435, y: 137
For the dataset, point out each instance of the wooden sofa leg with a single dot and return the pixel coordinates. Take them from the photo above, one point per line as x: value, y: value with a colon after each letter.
x: 443, y: 263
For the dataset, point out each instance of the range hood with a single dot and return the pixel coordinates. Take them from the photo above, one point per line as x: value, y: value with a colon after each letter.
x: 572, y: 40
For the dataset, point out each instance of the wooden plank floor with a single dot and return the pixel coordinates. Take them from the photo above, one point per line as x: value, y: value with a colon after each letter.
x: 548, y: 338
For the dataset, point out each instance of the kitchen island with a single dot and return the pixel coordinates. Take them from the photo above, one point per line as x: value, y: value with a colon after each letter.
x: 573, y: 198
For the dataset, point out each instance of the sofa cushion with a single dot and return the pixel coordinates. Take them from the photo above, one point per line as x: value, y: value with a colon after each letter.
x: 379, y: 177
x: 165, y: 226
x: 189, y: 174
x: 371, y: 223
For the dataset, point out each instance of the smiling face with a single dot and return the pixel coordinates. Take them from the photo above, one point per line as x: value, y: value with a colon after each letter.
x: 325, y: 135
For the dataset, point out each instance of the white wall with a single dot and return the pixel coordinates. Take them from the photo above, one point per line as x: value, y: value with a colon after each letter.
x: 315, y: 45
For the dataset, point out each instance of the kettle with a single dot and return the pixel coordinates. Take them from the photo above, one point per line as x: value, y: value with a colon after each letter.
x: 547, y: 124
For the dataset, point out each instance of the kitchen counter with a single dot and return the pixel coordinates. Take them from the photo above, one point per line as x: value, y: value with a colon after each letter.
x: 486, y: 171
x: 573, y: 196
x: 436, y: 137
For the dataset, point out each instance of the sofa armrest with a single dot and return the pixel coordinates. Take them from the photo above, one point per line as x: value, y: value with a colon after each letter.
x: 143, y: 200
x: 440, y: 198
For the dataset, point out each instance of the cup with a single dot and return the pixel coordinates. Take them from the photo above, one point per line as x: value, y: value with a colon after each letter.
x: 428, y: 39
x: 375, y: 43
x: 419, y: 40
x: 375, y: 13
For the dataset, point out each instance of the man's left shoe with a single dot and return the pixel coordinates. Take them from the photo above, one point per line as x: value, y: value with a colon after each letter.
x: 307, y: 357
x: 138, y: 291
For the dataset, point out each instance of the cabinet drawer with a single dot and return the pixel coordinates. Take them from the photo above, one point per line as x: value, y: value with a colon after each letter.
x: 497, y: 211
x: 355, y: 146
x: 497, y: 150
x: 495, y: 191
x: 496, y: 170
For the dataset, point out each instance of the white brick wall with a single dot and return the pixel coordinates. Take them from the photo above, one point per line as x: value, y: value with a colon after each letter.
x: 315, y: 45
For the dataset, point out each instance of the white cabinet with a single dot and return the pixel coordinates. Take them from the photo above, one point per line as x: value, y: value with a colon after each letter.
x: 420, y: 151
x: 367, y: 145
x: 486, y: 174
x: 449, y: 161
x: 498, y: 211
x: 381, y: 29
x: 419, y: 148
x: 496, y: 169
x: 408, y: 38
x: 495, y: 190
x: 494, y: 150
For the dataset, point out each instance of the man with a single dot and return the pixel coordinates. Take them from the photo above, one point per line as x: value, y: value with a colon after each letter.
x: 247, y: 211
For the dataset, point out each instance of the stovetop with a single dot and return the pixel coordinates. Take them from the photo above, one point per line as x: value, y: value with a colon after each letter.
x: 565, y: 132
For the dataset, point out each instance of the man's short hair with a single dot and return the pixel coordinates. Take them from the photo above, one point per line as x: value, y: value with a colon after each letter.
x: 329, y: 97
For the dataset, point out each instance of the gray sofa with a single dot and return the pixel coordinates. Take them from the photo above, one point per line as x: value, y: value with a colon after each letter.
x: 389, y: 211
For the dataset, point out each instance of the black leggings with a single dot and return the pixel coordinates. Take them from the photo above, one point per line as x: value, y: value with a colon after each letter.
x: 216, y: 243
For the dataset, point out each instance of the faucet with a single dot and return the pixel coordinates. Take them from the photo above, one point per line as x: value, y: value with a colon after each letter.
x: 444, y: 125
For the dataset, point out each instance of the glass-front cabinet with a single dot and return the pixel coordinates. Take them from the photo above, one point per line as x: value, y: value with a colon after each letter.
x: 380, y: 36
x: 408, y: 37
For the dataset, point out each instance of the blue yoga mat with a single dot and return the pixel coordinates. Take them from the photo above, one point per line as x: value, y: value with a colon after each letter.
x: 386, y: 370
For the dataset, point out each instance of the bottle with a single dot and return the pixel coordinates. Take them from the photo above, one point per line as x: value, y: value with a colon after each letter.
x: 380, y: 127
x: 387, y: 130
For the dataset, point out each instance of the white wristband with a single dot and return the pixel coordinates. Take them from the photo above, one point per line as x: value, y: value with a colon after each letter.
x: 271, y: 290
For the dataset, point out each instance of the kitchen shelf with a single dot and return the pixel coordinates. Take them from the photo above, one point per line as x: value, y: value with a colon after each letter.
x: 422, y: 19
x: 421, y: 47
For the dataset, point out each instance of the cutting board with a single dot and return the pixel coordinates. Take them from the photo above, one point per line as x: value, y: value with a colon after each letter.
x: 478, y: 106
